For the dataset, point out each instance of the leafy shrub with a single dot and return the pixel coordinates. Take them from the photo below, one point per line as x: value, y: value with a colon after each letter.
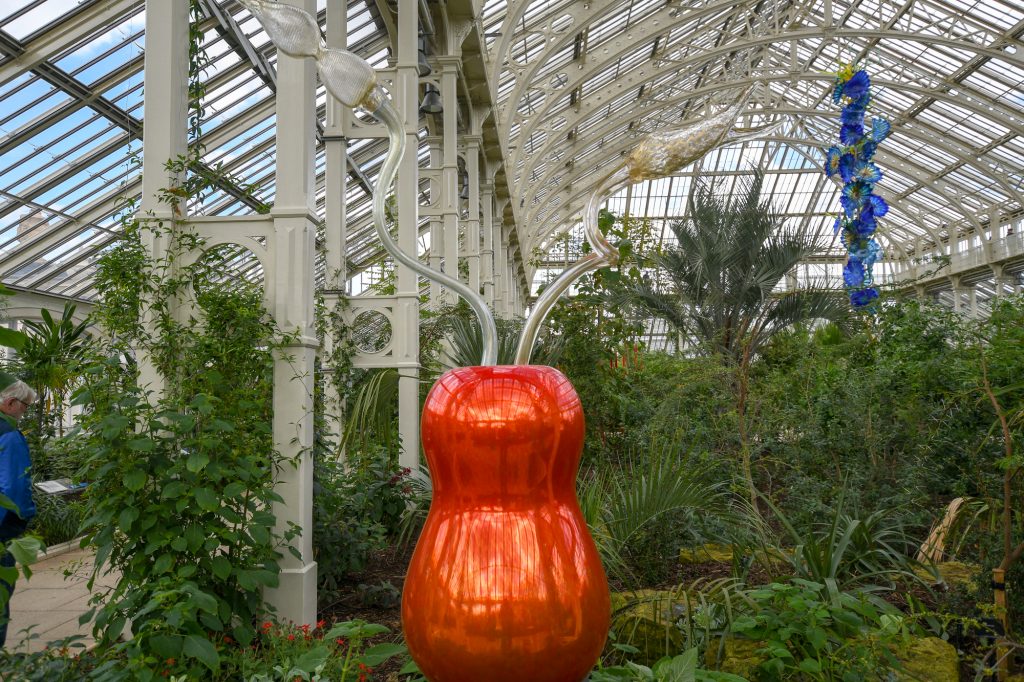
x: 355, y: 513
x: 181, y: 484
x: 286, y: 653
x: 867, y: 554
x: 54, y: 664
x: 58, y: 518
x: 682, y: 668
x: 640, y: 518
x: 180, y: 507
x: 812, y: 632
x: 382, y: 595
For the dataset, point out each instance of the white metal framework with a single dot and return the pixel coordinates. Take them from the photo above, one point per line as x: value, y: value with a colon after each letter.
x: 526, y: 103
x: 561, y: 88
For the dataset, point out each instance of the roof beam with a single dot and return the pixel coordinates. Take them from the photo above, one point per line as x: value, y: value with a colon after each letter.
x: 72, y: 29
x: 549, y: 170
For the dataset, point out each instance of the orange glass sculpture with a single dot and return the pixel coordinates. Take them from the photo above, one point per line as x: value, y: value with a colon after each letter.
x: 505, y: 584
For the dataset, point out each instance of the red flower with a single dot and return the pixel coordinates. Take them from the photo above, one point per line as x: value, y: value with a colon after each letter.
x: 339, y: 642
x: 305, y: 627
x: 291, y: 638
x: 320, y: 623
x: 267, y: 625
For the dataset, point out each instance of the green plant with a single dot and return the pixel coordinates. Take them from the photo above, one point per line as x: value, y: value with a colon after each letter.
x: 180, y: 507
x: 467, y: 344
x: 181, y: 484
x: 681, y: 668
x: 58, y: 518
x: 51, y: 361
x: 381, y: 595
x: 66, y: 661
x: 866, y: 555
x: 812, y: 631
x: 289, y: 653
x: 729, y: 257
x: 1001, y: 364
x: 641, y: 518
x: 356, y: 512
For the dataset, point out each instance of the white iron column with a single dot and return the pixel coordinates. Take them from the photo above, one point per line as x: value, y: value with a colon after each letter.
x: 511, y: 298
x: 487, y: 255
x: 1004, y: 282
x: 436, y: 226
x: 335, y: 211
x: 500, y: 268
x: 165, y: 81
x: 450, y: 172
x: 407, y: 311
x: 295, y: 218
x: 517, y: 308
x: 473, y: 220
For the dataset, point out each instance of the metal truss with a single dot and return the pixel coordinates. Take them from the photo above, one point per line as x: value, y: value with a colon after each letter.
x: 573, y: 86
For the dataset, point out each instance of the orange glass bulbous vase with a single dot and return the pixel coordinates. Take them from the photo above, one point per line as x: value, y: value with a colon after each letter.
x: 506, y: 584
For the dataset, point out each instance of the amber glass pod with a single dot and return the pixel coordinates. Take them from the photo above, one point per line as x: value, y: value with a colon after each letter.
x: 505, y: 584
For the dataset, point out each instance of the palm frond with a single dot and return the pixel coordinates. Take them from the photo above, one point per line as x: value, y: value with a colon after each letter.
x: 372, y: 413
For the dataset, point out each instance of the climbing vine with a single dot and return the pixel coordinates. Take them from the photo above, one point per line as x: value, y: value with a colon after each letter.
x: 181, y: 495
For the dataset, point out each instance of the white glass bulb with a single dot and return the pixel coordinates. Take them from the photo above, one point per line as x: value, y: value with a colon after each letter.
x: 294, y: 31
x: 346, y: 76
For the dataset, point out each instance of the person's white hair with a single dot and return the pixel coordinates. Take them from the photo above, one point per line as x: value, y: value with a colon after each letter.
x: 19, y: 390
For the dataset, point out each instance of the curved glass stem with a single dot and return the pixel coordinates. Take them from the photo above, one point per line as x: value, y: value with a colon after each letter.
x: 604, y: 254
x: 386, y: 113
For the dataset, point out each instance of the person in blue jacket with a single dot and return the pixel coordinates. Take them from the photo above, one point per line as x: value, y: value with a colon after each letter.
x: 15, y: 476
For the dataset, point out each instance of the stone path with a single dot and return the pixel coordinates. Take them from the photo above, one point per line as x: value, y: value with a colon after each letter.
x: 46, y: 607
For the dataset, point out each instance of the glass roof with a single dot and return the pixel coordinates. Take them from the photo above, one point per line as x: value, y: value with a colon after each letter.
x: 574, y: 85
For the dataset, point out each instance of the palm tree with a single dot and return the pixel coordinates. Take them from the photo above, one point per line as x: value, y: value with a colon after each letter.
x: 721, y: 274
x: 51, y: 360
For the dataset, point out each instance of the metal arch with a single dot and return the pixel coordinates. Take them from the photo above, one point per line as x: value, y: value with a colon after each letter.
x: 651, y: 28
x: 568, y: 210
x: 547, y: 149
x: 573, y: 118
x: 646, y: 71
x: 525, y: 79
x: 498, y: 55
x: 918, y: 174
x: 909, y: 169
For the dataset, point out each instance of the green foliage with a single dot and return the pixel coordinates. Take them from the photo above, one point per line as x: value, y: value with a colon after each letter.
x: 809, y: 631
x: 288, y: 653
x: 51, y: 361
x: 728, y: 258
x: 357, y: 512
x: 57, y: 518
x: 180, y: 506
x: 681, y: 668
x: 54, y: 664
x: 886, y: 410
x: 641, y: 518
x: 181, y: 485
x: 866, y: 555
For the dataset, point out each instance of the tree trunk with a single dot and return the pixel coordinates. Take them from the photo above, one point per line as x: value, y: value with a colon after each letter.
x: 742, y: 379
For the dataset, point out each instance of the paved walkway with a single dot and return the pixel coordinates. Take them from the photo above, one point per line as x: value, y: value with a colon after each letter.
x: 46, y: 607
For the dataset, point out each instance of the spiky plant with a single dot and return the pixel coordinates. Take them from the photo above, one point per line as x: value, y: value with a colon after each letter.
x: 717, y: 284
